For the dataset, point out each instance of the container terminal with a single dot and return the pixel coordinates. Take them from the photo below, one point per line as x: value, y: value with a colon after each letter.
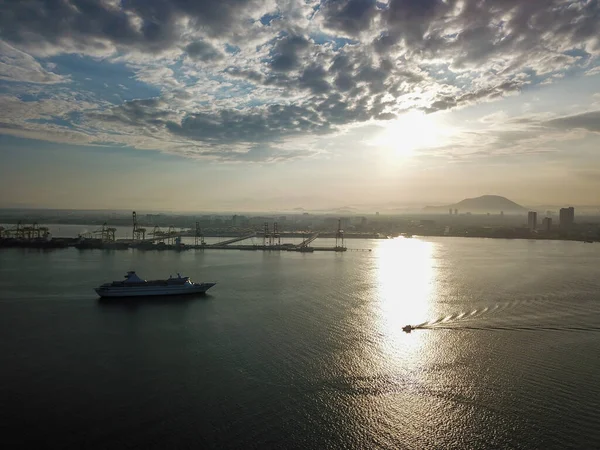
x: 157, y: 238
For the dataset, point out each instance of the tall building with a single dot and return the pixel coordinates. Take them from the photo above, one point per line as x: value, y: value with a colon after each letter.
x: 547, y: 223
x: 456, y: 212
x: 566, y: 217
x: 532, y: 220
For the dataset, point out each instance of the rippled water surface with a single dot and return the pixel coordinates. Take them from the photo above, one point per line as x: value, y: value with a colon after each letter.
x: 295, y: 350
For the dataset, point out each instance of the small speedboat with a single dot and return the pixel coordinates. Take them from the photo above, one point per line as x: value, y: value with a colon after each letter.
x: 408, y: 328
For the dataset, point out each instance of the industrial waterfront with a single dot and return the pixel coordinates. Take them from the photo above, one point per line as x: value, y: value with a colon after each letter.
x: 300, y: 232
x: 169, y: 238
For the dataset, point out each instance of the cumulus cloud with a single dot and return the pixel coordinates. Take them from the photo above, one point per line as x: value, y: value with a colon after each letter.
x: 100, y: 26
x: 248, y: 73
x: 350, y: 17
x: 487, y: 93
x: 157, y: 75
x: 202, y: 51
x: 286, y: 53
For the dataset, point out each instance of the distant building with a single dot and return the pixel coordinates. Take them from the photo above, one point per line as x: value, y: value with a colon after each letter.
x: 501, y: 213
x: 450, y: 211
x: 332, y: 222
x: 547, y: 223
x: 566, y: 217
x: 258, y: 220
x: 456, y: 212
x: 532, y: 220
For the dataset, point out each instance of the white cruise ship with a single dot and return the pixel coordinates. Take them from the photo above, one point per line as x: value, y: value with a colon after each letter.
x: 134, y: 286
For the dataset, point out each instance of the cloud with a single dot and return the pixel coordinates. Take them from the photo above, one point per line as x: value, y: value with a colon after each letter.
x: 589, y: 121
x: 203, y: 51
x: 488, y: 93
x: 258, y: 154
x: 256, y: 125
x: 350, y: 17
x: 507, y: 138
x: 136, y: 112
x: 241, y: 74
x: 95, y: 26
x: 286, y: 53
x: 157, y: 75
x: 18, y: 66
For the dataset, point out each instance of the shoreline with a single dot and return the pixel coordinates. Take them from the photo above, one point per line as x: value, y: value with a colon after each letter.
x: 126, y: 244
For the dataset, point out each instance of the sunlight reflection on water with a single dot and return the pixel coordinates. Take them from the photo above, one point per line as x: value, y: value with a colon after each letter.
x: 406, y: 286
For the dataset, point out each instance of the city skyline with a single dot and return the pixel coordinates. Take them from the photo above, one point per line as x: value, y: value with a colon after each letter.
x: 348, y: 211
x: 256, y: 106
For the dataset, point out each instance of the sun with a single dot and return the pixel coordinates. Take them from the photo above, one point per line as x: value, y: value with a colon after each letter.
x: 410, y: 132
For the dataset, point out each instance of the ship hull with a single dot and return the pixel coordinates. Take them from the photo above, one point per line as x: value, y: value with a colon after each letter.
x: 146, y: 291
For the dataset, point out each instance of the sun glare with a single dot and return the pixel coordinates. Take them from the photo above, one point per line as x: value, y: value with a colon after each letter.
x: 406, y: 279
x: 412, y: 131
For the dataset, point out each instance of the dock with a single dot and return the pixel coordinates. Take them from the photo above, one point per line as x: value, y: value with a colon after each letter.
x: 35, y: 236
x: 61, y: 243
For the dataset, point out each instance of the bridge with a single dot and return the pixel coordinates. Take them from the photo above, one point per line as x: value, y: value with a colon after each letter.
x: 106, y: 233
x: 308, y: 240
x: 234, y: 240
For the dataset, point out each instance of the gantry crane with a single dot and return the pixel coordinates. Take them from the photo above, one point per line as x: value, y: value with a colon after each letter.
x: 139, y: 233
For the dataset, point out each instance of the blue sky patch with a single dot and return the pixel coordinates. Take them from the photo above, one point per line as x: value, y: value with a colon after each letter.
x: 109, y: 81
x: 268, y: 18
x: 232, y: 49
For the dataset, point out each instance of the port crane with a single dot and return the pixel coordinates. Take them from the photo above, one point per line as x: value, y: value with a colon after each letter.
x: 339, y: 237
x: 198, y: 236
x: 28, y: 233
x: 139, y: 233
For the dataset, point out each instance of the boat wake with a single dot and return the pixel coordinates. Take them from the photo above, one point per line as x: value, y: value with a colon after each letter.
x: 533, y: 315
x: 459, y: 327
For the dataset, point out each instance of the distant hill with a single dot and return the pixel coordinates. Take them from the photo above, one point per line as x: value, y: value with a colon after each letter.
x: 483, y: 204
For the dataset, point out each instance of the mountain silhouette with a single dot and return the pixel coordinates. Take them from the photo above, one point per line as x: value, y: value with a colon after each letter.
x: 483, y: 204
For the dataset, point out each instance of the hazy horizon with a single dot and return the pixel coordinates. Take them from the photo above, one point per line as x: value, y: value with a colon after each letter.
x: 269, y: 106
x: 350, y: 209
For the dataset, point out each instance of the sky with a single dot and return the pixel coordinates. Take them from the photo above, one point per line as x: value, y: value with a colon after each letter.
x: 246, y: 105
